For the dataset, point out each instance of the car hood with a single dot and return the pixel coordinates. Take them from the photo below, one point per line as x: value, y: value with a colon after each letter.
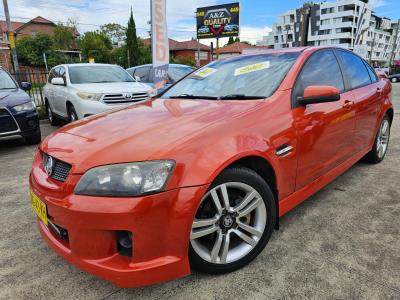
x: 143, y: 131
x: 9, y: 98
x: 112, y: 87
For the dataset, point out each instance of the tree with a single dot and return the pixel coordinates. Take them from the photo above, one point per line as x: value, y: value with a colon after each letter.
x: 114, y: 31
x: 231, y: 40
x: 132, y: 42
x: 97, y: 45
x: 30, y: 49
x: 64, y: 38
x: 237, y: 39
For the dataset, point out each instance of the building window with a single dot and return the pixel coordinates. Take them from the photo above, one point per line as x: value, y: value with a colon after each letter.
x: 325, y: 11
x: 326, y: 22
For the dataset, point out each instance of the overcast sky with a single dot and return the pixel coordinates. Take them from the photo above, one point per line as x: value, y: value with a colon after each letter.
x: 257, y: 16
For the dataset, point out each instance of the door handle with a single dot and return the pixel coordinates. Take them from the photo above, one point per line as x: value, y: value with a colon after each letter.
x: 347, y: 104
x: 379, y: 90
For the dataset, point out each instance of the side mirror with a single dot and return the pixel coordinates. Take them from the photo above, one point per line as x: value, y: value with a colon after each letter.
x: 26, y: 86
x: 319, y: 94
x: 58, y: 81
x: 137, y: 78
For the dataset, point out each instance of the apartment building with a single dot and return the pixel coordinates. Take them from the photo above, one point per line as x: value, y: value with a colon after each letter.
x: 350, y: 24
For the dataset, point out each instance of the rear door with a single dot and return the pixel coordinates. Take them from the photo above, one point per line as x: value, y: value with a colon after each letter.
x: 325, y: 130
x: 362, y: 81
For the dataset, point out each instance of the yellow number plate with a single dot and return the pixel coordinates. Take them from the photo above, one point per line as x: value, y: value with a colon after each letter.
x: 39, y: 207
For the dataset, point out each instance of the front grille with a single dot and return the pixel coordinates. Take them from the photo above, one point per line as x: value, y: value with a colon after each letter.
x: 124, y: 98
x: 60, y: 170
x: 7, y: 122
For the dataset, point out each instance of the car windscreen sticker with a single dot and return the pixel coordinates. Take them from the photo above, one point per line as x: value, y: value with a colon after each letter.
x: 252, y: 68
x: 203, y: 73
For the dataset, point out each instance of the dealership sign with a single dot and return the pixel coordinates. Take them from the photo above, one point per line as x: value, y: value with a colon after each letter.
x: 218, y: 21
x: 159, y: 42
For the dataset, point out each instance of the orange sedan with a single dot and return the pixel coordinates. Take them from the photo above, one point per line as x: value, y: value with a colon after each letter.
x: 199, y: 176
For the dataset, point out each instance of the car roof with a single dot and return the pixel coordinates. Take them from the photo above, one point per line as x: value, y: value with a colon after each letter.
x: 149, y: 65
x: 84, y: 64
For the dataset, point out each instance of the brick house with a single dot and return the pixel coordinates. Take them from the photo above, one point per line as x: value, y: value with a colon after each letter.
x: 21, y: 29
x: 187, y: 49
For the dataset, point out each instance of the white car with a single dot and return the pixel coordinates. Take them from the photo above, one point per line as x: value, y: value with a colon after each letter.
x: 75, y: 91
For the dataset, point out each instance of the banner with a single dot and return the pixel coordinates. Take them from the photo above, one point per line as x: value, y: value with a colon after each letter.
x: 218, y: 21
x: 159, y: 42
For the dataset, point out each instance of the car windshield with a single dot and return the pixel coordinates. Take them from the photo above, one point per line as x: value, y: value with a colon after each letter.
x: 243, y: 77
x: 6, y: 82
x: 176, y: 73
x: 98, y: 74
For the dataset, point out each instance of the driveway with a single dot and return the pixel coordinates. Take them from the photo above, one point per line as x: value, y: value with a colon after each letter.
x: 344, y: 242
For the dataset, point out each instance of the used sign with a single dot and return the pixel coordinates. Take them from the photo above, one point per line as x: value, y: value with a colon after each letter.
x: 159, y: 42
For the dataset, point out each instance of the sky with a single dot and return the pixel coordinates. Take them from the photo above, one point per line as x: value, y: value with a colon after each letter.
x: 256, y: 16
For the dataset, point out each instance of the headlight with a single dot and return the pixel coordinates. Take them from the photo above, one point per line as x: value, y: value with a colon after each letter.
x: 89, y: 96
x: 152, y: 92
x: 130, y: 179
x: 28, y: 106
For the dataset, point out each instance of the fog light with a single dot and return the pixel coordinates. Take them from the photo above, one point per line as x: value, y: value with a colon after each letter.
x: 31, y: 123
x: 124, y: 243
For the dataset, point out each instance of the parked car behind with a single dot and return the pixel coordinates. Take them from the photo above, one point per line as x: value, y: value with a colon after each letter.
x: 202, y: 179
x: 18, y: 114
x: 394, y: 78
x: 175, y: 72
x: 75, y: 91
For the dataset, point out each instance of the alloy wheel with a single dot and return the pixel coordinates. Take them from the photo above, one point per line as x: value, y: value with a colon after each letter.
x: 383, y: 138
x: 229, y: 223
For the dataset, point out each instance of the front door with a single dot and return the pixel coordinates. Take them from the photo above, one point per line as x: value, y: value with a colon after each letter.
x: 325, y: 130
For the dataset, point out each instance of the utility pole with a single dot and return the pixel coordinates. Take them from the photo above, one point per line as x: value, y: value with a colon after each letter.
x: 11, y: 39
x: 394, y: 48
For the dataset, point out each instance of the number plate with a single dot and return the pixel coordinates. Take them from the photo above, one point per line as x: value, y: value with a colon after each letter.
x: 39, y: 207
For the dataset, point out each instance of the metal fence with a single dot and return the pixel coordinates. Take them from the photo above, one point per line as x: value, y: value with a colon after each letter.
x: 38, y: 79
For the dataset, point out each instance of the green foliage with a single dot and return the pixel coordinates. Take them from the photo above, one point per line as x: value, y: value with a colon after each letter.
x: 231, y: 40
x: 183, y: 60
x: 97, y: 45
x: 63, y: 38
x: 30, y: 49
x: 132, y: 42
x: 116, y: 32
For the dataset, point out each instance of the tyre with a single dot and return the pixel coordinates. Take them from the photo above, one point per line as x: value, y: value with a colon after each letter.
x: 34, y: 139
x: 233, y: 223
x: 72, y: 115
x: 394, y: 79
x: 52, y: 118
x: 378, y: 152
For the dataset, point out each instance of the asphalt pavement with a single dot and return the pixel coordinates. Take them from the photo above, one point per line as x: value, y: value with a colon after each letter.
x: 342, y: 243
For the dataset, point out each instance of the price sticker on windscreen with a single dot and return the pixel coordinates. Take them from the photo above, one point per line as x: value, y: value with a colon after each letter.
x: 203, y: 73
x: 252, y: 68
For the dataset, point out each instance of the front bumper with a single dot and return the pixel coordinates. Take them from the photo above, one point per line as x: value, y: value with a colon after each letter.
x: 160, y: 225
x: 27, y: 124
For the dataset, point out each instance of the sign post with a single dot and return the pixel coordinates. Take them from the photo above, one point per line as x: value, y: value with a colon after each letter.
x: 218, y: 21
x: 159, y: 42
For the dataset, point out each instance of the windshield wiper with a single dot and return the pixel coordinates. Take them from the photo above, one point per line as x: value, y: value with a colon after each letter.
x: 189, y: 96
x: 240, y: 97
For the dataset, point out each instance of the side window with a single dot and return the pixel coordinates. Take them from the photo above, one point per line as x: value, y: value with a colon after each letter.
x: 61, y: 73
x: 371, y: 72
x: 143, y: 73
x: 52, y: 74
x: 321, y: 68
x: 356, y: 72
